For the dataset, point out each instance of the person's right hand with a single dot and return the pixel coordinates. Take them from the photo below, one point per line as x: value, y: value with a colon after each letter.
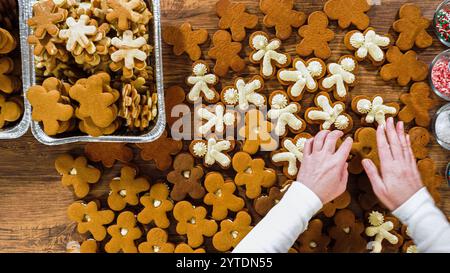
x: 400, y: 179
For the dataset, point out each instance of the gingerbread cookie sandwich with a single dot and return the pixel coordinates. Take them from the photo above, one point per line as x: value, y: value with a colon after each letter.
x: 374, y: 109
x: 285, y: 114
x: 367, y: 45
x: 340, y: 77
x: 213, y: 151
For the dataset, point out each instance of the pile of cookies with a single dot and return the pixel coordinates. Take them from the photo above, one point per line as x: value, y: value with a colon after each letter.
x: 211, y: 191
x: 99, y: 48
x: 11, y: 100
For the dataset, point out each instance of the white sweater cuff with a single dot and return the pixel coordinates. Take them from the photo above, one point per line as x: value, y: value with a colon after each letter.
x: 412, y: 205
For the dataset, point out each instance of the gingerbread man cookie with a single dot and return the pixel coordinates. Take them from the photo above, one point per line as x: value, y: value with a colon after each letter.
x: 315, y: 36
x: 186, y: 178
x: 160, y: 151
x: 126, y: 189
x: 412, y: 27
x: 347, y: 232
x: 340, y: 76
x: 45, y: 17
x: 285, y: 114
x: 192, y: 222
x: 427, y: 170
x: 90, y: 219
x: 184, y: 39
x: 257, y: 133
x: 348, y: 12
x: 10, y: 111
x: 252, y: 174
x: 364, y: 147
x: 156, y: 205
x: 417, y: 103
x: 281, y: 15
x: 213, y: 151
x: 304, y: 75
x: 243, y: 94
x: 329, y: 114
x: 312, y: 240
x: 265, y: 203
x: 232, y: 232
x: 403, y: 67
x: 374, y: 110
x: 108, y: 153
x: 217, y: 117
x: 341, y: 202
x: 265, y: 53
x: 221, y: 196
x: 291, y: 154
x: 8, y: 83
x: 234, y: 17
x: 420, y: 138
x: 367, y: 45
x: 76, y: 173
x: 124, y: 13
x: 123, y: 234
x: 156, y: 242
x: 201, y: 81
x: 381, y: 230
x: 174, y: 97
x: 226, y: 54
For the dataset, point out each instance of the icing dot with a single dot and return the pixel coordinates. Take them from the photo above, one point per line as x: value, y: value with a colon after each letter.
x: 156, y: 248
x: 364, y: 106
x: 348, y: 64
x: 123, y: 193
x: 156, y: 203
x: 376, y: 218
x: 341, y: 122
x: 279, y: 101
x: 234, y: 234
x: 187, y: 174
x: 200, y: 149
x: 123, y: 231
x: 313, y: 244
x: 315, y: 69
x: 200, y: 69
x: 231, y: 96
x: 73, y: 172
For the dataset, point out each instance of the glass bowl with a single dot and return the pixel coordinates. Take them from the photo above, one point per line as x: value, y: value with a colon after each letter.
x: 439, y: 15
x: 444, y: 110
x: 442, y: 59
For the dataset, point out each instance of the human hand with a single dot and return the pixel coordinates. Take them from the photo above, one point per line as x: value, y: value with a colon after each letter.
x: 400, y: 178
x: 323, y: 169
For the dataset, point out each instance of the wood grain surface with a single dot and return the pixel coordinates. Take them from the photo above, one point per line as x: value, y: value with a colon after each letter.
x: 33, y: 202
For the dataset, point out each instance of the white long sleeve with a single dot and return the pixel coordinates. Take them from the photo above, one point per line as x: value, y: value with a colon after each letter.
x: 428, y: 226
x: 283, y: 224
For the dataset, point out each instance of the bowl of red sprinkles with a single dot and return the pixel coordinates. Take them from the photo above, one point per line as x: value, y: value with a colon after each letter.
x: 440, y: 75
x: 442, y: 22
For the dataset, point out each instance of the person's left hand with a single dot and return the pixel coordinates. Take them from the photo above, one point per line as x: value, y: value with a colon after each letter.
x: 323, y: 169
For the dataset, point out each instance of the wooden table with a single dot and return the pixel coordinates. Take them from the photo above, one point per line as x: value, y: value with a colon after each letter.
x: 33, y: 203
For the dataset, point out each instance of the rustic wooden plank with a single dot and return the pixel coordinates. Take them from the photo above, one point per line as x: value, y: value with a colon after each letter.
x: 33, y: 203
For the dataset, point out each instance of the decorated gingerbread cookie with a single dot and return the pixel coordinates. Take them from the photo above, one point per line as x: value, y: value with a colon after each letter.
x: 221, y: 196
x: 381, y: 230
x: 234, y: 17
x: 156, y: 205
x: 281, y: 15
x: 265, y: 52
x: 213, y: 151
x: 243, y: 94
x: 329, y: 115
x: 125, y: 190
x: 291, y: 154
x: 186, y: 178
x: 302, y: 77
x: 252, y: 174
x: 76, y: 173
x: 226, y: 53
x: 403, y: 67
x: 202, y: 82
x: 315, y: 36
x: 157, y: 242
x: 367, y: 45
x: 123, y: 234
x: 192, y: 222
x: 313, y: 240
x: 285, y: 114
x: 348, y: 12
x: 215, y: 119
x: 340, y: 77
x: 232, y: 232
x: 374, y: 109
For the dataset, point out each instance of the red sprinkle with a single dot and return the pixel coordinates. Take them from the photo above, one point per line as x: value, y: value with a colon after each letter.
x: 440, y: 76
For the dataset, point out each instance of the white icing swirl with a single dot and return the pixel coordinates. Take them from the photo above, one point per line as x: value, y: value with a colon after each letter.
x: 315, y: 69
x: 200, y: 149
x: 364, y: 106
x: 342, y: 122
x: 231, y: 96
x: 348, y: 64
x: 279, y: 101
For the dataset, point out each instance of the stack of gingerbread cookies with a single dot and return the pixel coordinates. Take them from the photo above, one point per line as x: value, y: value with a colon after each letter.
x: 210, y: 192
x: 95, y: 53
x: 11, y: 101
